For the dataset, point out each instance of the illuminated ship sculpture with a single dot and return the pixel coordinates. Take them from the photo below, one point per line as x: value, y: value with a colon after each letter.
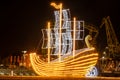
x: 61, y: 38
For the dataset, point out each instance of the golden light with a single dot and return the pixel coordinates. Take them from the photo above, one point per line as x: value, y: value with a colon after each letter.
x: 60, y: 35
x: 74, y: 30
x: 77, y: 66
x: 48, y: 42
x: 55, y: 5
x: 60, y: 22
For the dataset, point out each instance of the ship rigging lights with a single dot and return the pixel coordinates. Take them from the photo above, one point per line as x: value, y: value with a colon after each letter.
x: 61, y: 38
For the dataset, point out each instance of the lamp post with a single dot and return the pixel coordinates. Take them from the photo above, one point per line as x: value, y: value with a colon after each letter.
x: 60, y: 23
x: 24, y: 53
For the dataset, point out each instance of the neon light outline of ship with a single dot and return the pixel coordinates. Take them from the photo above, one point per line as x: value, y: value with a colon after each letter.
x: 83, y: 59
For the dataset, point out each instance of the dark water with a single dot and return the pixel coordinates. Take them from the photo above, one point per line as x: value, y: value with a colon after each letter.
x: 55, y: 78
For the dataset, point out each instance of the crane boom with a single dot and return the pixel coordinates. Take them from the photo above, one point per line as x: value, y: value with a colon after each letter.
x: 112, y: 41
x: 110, y: 60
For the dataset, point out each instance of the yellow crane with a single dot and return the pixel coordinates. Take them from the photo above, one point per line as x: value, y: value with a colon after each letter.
x: 112, y: 61
x: 112, y: 41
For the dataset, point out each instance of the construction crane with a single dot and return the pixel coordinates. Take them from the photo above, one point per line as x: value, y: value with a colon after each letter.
x: 93, y: 32
x: 111, y: 62
x: 112, y: 41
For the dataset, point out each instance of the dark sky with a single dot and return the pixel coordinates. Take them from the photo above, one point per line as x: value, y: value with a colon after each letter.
x: 22, y: 20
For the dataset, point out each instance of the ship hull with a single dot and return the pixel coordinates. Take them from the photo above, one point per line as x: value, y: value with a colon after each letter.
x: 78, y: 65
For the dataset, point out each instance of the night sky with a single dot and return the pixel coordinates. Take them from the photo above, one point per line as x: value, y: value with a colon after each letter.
x: 22, y: 20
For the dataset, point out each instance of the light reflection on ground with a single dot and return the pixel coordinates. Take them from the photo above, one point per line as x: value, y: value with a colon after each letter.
x: 55, y: 78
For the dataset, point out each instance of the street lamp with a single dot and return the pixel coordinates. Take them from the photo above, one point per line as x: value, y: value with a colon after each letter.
x: 24, y: 53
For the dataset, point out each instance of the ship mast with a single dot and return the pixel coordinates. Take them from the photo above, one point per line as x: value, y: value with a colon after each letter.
x: 48, y: 42
x: 60, y: 32
x: 74, y: 29
x: 60, y: 22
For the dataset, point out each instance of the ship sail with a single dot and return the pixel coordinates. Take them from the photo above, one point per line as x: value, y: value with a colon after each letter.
x: 67, y: 33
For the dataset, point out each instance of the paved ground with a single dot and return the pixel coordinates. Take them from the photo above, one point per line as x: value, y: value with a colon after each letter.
x: 55, y: 78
